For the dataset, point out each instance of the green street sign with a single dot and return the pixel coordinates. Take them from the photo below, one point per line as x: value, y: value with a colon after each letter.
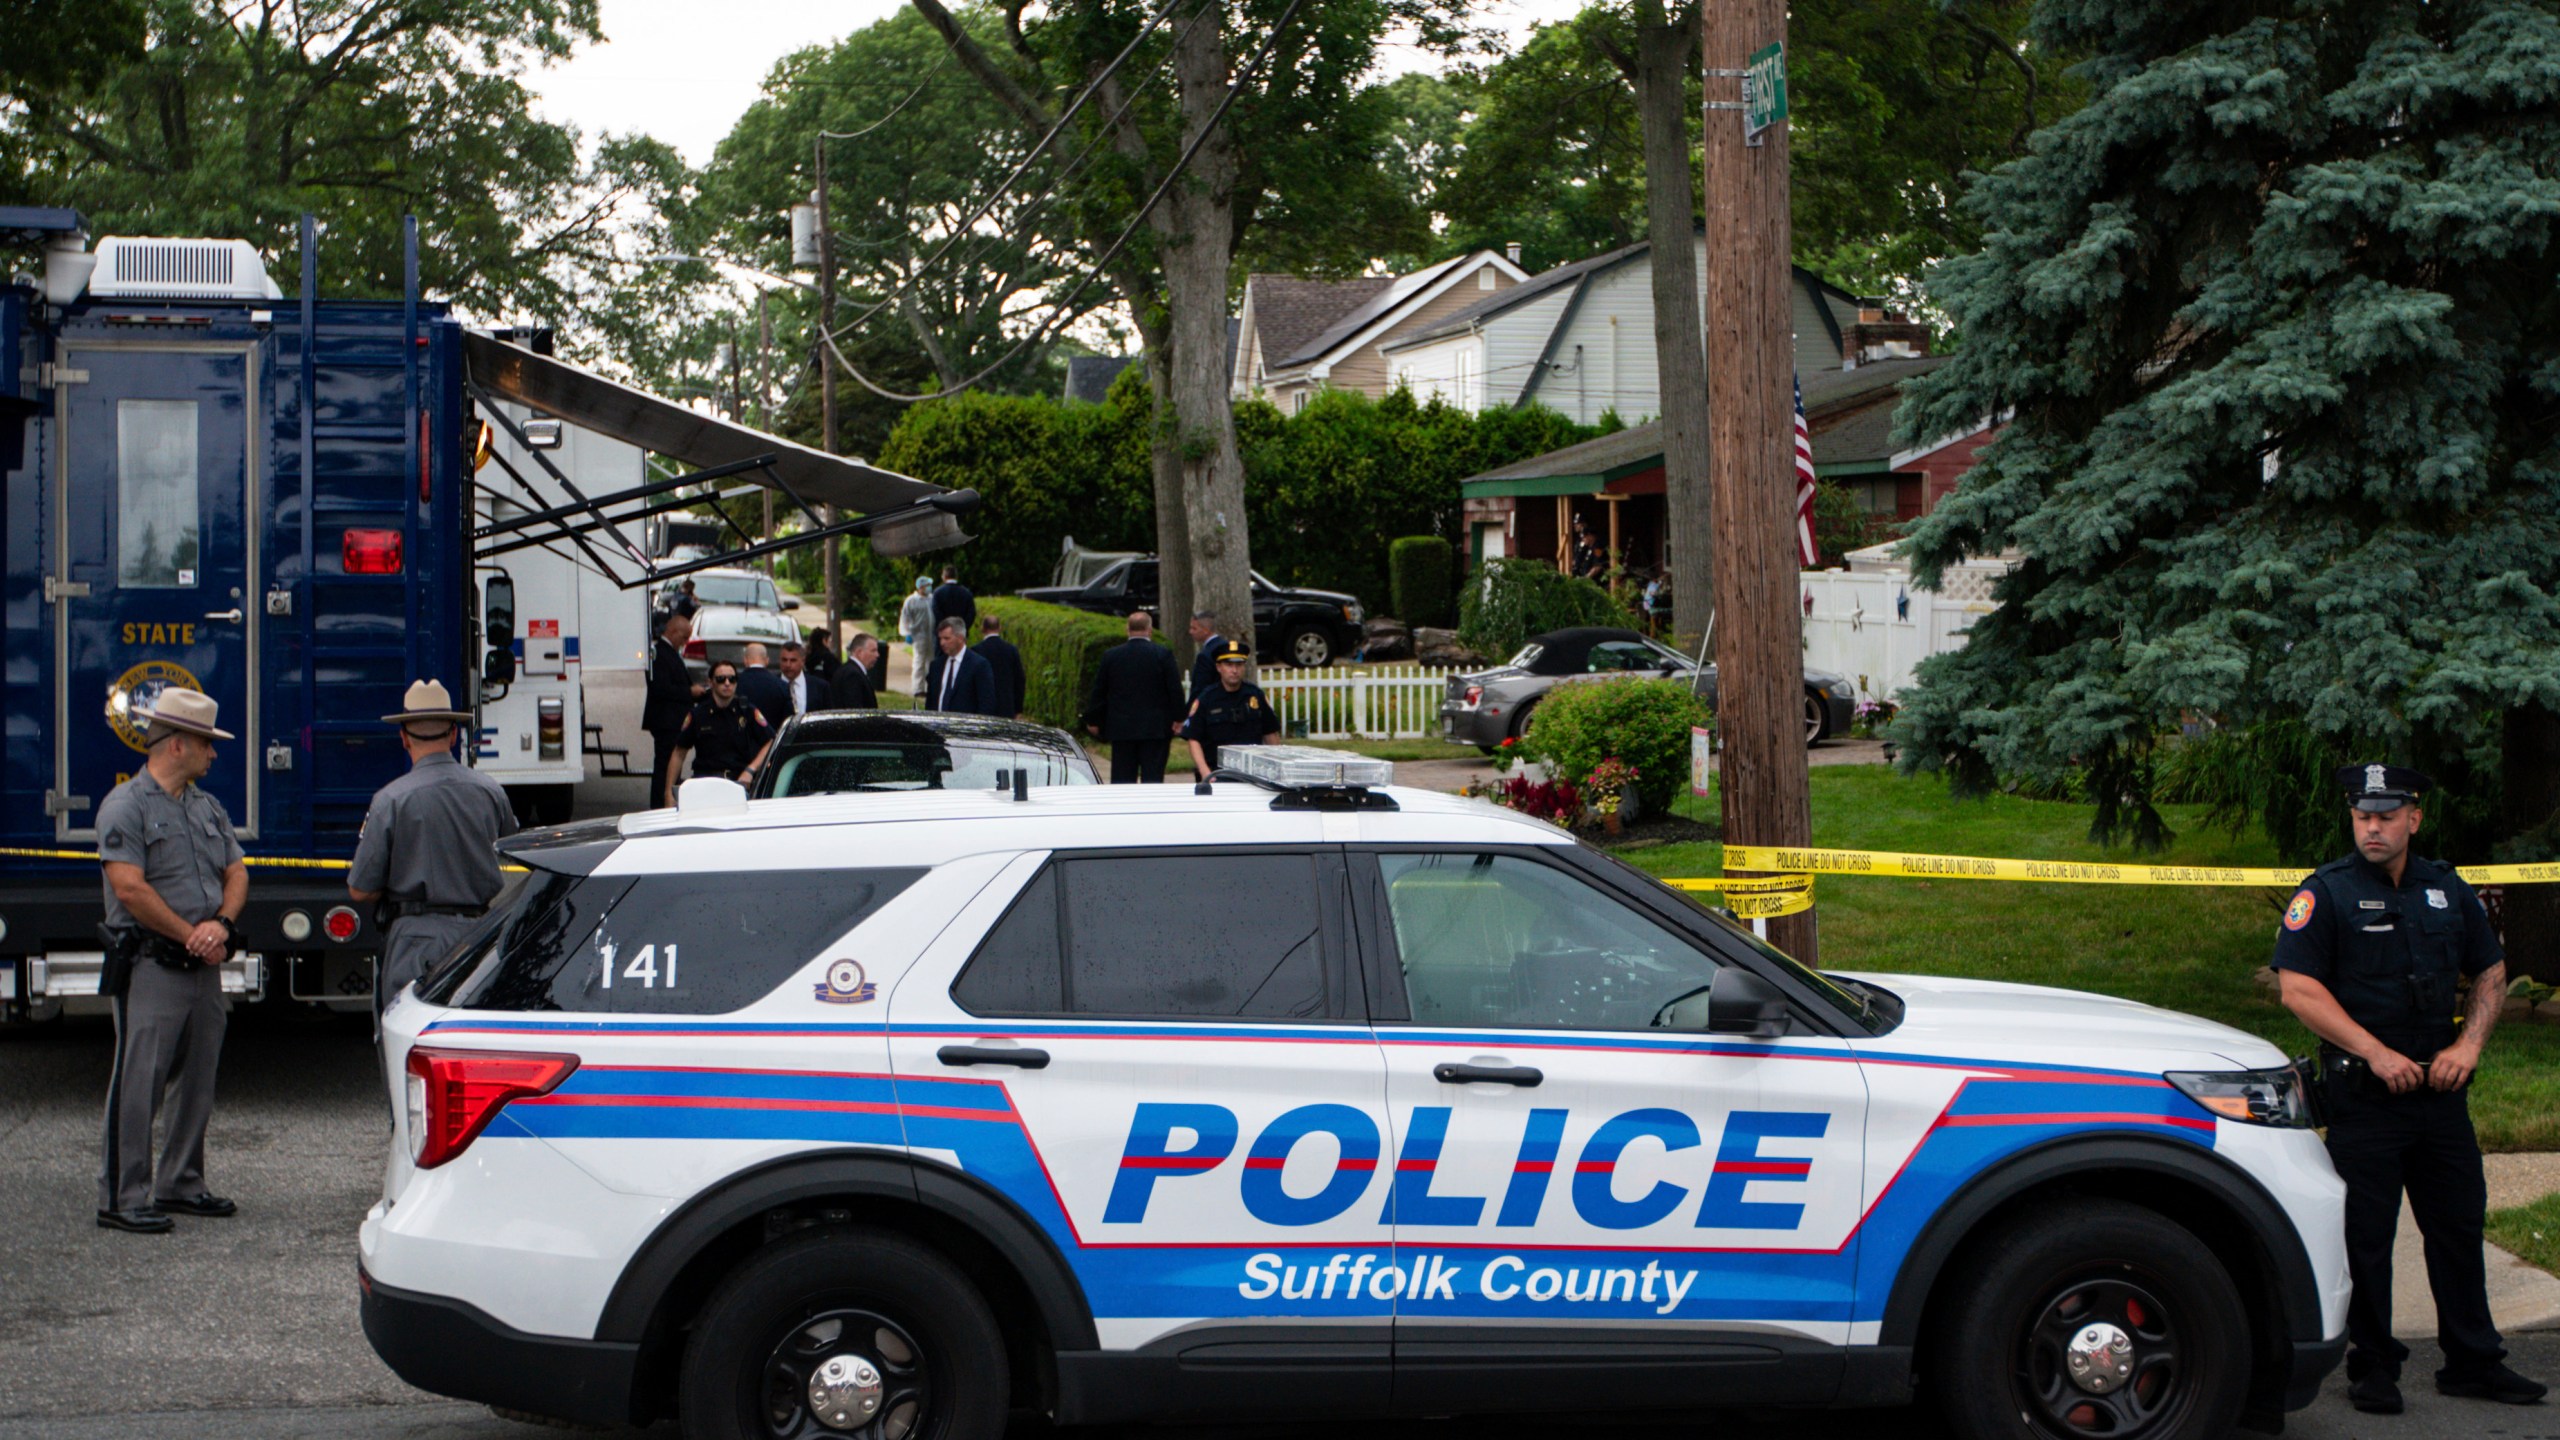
x: 1764, y: 90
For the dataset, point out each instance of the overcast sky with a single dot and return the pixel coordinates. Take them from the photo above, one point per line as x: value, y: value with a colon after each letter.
x: 684, y: 70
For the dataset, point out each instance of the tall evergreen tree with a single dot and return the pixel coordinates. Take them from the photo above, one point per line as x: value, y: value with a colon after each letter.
x: 2275, y: 324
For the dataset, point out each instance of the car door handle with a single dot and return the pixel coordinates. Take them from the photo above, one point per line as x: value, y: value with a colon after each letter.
x: 1523, y: 1076
x: 993, y: 1055
x: 235, y: 615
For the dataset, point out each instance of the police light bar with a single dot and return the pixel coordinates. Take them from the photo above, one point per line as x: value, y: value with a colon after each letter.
x: 1296, y: 767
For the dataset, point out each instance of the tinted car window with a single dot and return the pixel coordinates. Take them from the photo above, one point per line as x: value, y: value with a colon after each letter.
x: 1500, y: 942
x: 1621, y: 655
x: 834, y: 769
x: 701, y: 944
x: 1171, y: 937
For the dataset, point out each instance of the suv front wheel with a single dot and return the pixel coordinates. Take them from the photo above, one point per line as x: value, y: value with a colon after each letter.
x: 2093, y: 1319
x: 837, y: 1334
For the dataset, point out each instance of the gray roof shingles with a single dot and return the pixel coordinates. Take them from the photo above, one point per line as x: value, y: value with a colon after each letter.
x: 1288, y: 312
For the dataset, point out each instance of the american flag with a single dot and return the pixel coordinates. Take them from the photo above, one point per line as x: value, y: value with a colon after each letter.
x: 1805, y: 553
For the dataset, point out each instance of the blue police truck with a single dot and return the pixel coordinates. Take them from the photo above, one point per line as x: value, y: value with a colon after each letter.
x: 268, y: 498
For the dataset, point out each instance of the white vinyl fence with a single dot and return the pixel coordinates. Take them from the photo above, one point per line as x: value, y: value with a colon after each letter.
x: 1874, y: 628
x: 1372, y: 702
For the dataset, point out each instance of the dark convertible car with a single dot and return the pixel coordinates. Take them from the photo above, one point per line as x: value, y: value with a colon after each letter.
x: 1483, y: 708
x: 1290, y: 627
x: 831, y: 752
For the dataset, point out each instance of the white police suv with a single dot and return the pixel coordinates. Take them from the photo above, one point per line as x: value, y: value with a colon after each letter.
x: 1141, y: 1103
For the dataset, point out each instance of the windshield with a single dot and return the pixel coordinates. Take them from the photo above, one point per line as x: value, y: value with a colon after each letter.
x: 889, y: 765
x: 1668, y: 654
x: 752, y: 591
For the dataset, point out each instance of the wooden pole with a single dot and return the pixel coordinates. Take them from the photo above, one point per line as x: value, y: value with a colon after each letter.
x: 1751, y: 510
x: 827, y: 394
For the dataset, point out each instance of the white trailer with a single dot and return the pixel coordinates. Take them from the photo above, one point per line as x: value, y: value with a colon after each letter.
x: 562, y: 616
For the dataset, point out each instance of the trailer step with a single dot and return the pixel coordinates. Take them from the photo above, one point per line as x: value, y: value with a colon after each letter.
x: 610, y: 759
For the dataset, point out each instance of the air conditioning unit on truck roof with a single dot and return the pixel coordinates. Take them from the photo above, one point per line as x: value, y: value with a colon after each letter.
x: 131, y: 268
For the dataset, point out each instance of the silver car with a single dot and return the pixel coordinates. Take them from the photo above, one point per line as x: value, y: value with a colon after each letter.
x: 1483, y: 708
x: 732, y: 610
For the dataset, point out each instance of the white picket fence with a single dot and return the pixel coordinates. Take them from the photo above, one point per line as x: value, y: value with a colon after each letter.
x: 1375, y: 702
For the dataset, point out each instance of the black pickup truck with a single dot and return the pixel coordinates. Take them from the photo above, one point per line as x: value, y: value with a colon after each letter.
x: 1290, y: 627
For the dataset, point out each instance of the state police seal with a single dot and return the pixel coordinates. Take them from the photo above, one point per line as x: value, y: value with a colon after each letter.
x: 844, y: 984
x: 130, y: 698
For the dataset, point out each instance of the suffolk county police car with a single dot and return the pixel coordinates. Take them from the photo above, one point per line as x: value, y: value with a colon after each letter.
x: 1141, y: 1103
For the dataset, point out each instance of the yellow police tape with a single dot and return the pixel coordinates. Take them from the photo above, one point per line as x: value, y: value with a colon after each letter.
x: 265, y: 862
x: 2074, y: 872
x: 1756, y: 897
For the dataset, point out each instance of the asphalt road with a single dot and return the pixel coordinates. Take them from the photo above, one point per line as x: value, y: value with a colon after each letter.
x: 247, y: 1327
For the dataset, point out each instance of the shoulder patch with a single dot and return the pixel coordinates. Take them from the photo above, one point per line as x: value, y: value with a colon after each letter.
x: 2298, y: 914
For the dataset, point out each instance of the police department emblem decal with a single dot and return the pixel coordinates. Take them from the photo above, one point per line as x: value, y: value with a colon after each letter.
x: 2298, y: 914
x: 844, y: 984
x: 130, y: 698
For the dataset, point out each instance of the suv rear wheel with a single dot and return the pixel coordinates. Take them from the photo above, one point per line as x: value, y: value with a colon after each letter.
x: 2095, y: 1319
x: 837, y: 1334
x: 1309, y: 647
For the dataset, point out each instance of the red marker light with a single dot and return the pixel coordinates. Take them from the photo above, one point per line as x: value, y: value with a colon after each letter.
x: 341, y: 923
x: 371, y: 552
x: 453, y: 1094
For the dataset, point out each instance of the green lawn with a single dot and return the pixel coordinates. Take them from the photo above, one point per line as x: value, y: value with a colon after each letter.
x: 2531, y: 1233
x: 2190, y: 949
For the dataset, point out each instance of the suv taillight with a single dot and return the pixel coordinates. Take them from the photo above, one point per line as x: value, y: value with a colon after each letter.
x: 1475, y: 696
x: 370, y: 552
x: 695, y: 649
x: 454, y: 1093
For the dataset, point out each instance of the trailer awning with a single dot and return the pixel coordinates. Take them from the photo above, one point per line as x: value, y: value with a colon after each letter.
x: 591, y: 401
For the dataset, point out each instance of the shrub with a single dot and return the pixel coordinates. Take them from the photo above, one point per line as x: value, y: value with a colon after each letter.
x: 1644, y: 723
x: 1061, y: 652
x: 1511, y: 600
x: 1420, y: 570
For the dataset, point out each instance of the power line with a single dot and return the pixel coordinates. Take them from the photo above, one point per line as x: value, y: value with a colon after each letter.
x: 894, y: 109
x: 1226, y: 102
x: 1090, y: 90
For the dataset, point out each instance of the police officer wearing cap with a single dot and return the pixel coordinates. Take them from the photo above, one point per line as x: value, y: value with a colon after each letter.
x: 427, y: 857
x: 1236, y: 712
x: 175, y: 886
x: 730, y: 735
x: 2369, y: 955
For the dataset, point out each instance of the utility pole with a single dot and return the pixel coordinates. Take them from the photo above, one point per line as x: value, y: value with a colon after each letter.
x: 764, y: 400
x: 827, y: 391
x: 1751, y: 445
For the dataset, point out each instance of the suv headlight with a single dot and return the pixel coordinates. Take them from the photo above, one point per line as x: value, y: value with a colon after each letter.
x: 2253, y: 1097
x: 1351, y: 613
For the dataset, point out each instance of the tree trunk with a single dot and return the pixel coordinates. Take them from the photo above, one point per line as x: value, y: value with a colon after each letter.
x: 2531, y: 776
x: 1750, y: 360
x: 1679, y: 341
x: 1196, y: 243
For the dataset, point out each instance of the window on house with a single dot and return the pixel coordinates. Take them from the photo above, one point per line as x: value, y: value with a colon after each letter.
x: 1484, y: 278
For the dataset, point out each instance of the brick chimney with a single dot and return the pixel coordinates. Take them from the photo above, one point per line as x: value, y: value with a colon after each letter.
x: 1881, y: 335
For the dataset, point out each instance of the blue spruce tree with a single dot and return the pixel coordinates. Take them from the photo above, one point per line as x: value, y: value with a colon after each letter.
x: 2275, y: 328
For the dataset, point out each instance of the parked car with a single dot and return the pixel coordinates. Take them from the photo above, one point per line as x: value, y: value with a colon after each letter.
x: 1290, y: 626
x: 830, y: 752
x: 1483, y: 708
x: 732, y: 610
x: 1132, y: 1105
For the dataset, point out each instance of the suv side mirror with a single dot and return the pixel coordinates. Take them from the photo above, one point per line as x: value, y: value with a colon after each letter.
x: 1741, y: 1003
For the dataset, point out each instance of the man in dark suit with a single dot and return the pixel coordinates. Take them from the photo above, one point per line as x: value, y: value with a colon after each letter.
x: 952, y: 600
x: 1136, y: 704
x: 1012, y: 683
x: 852, y: 688
x: 871, y: 653
x: 960, y: 681
x: 1206, y: 642
x: 671, y: 689
x: 763, y: 688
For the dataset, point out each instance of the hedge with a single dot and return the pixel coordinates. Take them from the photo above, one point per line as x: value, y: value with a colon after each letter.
x: 1061, y: 653
x: 1510, y: 600
x: 1643, y: 722
x: 1419, y: 577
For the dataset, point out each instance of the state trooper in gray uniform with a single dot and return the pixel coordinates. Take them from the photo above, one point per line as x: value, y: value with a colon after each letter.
x: 175, y: 887
x: 428, y: 852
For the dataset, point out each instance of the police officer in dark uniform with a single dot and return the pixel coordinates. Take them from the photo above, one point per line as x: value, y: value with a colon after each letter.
x: 1235, y: 713
x: 175, y: 886
x: 427, y: 857
x: 2369, y: 956
x: 731, y: 734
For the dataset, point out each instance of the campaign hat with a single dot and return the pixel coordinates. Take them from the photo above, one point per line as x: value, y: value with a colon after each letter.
x: 2380, y: 789
x: 190, y: 711
x: 426, y: 702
